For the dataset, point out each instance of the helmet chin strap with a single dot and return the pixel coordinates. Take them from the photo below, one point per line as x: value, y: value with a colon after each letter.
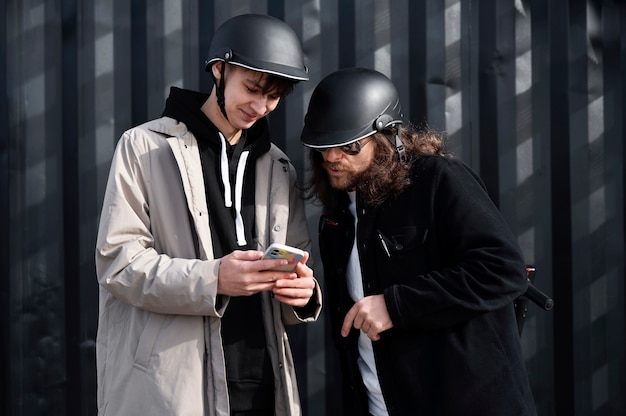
x: 219, y: 89
x: 400, y: 146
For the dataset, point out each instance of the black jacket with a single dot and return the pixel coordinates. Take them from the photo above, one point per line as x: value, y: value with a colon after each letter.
x: 449, y: 268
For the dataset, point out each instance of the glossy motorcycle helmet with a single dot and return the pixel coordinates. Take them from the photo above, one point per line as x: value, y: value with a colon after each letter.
x: 349, y: 105
x: 260, y: 43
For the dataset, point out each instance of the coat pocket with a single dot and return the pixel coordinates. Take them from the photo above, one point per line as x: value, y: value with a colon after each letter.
x: 147, y: 340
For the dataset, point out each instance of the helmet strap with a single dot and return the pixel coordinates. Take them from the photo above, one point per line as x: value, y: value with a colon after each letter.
x: 219, y: 90
x: 400, y: 146
x: 382, y: 124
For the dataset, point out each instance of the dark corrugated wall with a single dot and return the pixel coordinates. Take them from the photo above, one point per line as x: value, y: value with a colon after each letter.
x: 531, y: 93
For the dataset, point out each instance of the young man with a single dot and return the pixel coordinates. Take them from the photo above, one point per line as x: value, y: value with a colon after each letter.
x: 191, y: 318
x: 420, y: 267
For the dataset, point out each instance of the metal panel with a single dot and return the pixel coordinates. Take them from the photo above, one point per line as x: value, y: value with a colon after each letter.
x: 530, y: 92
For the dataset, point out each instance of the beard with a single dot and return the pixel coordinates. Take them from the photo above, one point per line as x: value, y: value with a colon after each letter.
x: 348, y: 182
x: 383, y: 177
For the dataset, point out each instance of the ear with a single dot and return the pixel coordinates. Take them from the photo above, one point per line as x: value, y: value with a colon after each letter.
x: 216, y: 69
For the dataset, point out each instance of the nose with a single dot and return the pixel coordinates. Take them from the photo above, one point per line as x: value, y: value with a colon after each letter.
x: 259, y: 104
x: 332, y: 154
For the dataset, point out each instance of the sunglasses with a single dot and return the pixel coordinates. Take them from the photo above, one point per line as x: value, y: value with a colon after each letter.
x: 351, y: 149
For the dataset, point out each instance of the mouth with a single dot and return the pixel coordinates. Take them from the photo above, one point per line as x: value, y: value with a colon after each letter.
x: 248, y: 117
x: 334, y: 169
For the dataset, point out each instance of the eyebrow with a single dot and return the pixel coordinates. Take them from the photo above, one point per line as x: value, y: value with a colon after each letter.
x: 267, y: 87
x: 254, y: 82
x: 257, y: 80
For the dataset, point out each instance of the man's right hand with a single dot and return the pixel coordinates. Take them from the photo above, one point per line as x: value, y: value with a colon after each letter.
x: 370, y: 315
x: 243, y: 273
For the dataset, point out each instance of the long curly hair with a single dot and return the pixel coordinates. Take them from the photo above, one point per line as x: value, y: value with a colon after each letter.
x: 387, y: 175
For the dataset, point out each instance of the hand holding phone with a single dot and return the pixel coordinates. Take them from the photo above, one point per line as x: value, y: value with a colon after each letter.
x: 281, y: 251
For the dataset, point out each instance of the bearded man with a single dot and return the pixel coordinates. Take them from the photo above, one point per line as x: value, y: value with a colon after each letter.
x: 421, y: 270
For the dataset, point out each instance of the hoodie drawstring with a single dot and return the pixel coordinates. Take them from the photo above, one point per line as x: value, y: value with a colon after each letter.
x: 228, y: 202
x: 241, y: 168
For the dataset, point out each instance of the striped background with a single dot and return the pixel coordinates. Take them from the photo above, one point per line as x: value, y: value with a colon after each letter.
x: 531, y: 93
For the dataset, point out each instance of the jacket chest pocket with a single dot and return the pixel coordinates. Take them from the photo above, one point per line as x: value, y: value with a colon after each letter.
x: 335, y: 238
x: 403, y: 250
x: 399, y: 241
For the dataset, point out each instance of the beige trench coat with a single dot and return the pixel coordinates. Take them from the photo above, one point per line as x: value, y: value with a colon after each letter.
x: 158, y: 305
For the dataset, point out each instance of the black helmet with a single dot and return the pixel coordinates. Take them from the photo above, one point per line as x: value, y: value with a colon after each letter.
x: 348, y: 105
x: 261, y: 43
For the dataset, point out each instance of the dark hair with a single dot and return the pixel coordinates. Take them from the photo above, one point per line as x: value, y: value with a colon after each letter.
x: 387, y: 175
x: 282, y: 86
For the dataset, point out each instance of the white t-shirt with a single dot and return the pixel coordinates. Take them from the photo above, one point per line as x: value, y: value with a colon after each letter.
x: 366, y: 362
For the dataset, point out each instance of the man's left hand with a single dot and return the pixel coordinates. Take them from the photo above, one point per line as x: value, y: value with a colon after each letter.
x: 298, y: 291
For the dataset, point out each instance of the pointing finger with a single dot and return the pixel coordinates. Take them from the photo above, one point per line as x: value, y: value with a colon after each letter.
x: 348, y: 321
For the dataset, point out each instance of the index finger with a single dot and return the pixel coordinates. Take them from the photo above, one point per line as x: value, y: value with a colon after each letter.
x: 348, y: 321
x: 273, y: 264
x: 246, y: 254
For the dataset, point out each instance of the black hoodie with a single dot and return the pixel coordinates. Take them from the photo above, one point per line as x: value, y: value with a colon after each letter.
x: 248, y: 367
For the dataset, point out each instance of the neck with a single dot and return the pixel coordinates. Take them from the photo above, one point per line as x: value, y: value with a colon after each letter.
x: 211, y: 109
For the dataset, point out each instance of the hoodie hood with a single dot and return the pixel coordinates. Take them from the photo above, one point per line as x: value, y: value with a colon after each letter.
x: 185, y: 106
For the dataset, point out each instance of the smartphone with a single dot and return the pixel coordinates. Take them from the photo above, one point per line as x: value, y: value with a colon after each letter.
x: 282, y: 251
